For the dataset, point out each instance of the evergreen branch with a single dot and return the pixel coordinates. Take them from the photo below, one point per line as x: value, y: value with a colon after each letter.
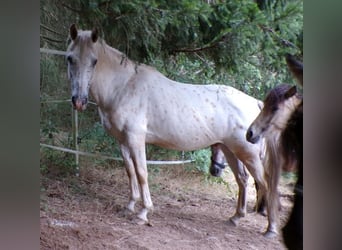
x: 210, y: 46
x: 51, y: 30
x: 193, y: 50
x: 290, y: 11
x: 51, y: 39
x: 70, y: 8
x: 103, y: 3
x: 283, y: 41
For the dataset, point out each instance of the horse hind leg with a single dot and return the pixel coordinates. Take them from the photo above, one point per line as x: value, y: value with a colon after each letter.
x: 241, y: 177
x: 260, y: 206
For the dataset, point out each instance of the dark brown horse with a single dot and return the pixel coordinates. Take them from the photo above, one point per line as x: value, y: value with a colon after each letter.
x: 292, y: 144
x: 281, y: 123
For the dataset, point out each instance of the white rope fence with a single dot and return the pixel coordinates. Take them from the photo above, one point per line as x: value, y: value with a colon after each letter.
x: 150, y: 162
x: 75, y: 132
x: 60, y: 101
x: 52, y: 51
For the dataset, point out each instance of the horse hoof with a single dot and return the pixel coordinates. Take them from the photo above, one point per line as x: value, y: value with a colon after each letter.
x: 263, y: 213
x: 233, y: 221
x: 126, y: 213
x: 140, y: 222
x: 270, y: 234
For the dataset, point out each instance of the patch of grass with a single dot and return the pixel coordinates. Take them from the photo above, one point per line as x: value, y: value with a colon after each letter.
x: 217, y: 180
x: 57, y: 163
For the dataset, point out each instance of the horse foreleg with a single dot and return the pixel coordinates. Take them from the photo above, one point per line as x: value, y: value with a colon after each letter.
x: 133, y: 182
x: 241, y: 177
x: 145, y: 191
x: 139, y: 160
x: 273, y: 164
x: 254, y: 165
x: 272, y: 211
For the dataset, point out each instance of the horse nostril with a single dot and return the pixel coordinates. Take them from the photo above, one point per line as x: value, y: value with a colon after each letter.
x: 73, y: 99
x: 84, y: 100
x: 249, y: 134
x: 214, y: 171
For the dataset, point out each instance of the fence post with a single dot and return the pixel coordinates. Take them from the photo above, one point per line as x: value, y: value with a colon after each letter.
x: 75, y: 137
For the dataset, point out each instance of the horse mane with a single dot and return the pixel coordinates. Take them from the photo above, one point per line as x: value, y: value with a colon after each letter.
x: 286, y: 139
x: 277, y: 94
x: 292, y: 139
x: 124, y: 59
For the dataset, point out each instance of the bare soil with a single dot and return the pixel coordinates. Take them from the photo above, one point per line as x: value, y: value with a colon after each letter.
x: 86, y: 212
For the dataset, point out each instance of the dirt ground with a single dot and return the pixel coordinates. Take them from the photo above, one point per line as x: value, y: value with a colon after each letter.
x: 86, y: 212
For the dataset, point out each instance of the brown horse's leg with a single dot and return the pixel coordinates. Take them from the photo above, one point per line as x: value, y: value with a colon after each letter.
x: 261, y: 206
x: 241, y: 177
x: 273, y: 166
x: 250, y: 156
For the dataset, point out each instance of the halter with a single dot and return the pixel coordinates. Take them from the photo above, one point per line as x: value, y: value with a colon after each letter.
x: 215, y: 163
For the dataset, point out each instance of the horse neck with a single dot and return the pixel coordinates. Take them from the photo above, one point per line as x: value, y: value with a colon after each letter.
x: 112, y: 71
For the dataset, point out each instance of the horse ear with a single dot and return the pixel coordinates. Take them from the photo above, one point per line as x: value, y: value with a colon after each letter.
x: 291, y: 92
x: 94, y: 35
x: 73, y: 31
x: 296, y: 68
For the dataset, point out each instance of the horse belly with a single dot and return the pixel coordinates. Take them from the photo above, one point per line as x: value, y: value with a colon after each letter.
x: 181, y: 143
x: 185, y: 136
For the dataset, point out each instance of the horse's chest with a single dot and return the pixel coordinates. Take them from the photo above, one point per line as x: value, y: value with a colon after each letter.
x: 118, y: 123
x: 107, y: 122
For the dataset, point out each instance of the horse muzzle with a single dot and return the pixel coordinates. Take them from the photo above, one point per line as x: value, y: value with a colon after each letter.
x: 215, y: 171
x: 251, y: 137
x: 216, y: 168
x: 80, y: 104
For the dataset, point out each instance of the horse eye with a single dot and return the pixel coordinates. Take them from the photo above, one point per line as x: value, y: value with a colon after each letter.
x: 274, y: 109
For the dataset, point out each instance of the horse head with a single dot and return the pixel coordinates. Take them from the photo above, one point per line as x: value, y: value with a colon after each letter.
x: 81, y: 58
x: 278, y: 106
x: 217, y: 160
